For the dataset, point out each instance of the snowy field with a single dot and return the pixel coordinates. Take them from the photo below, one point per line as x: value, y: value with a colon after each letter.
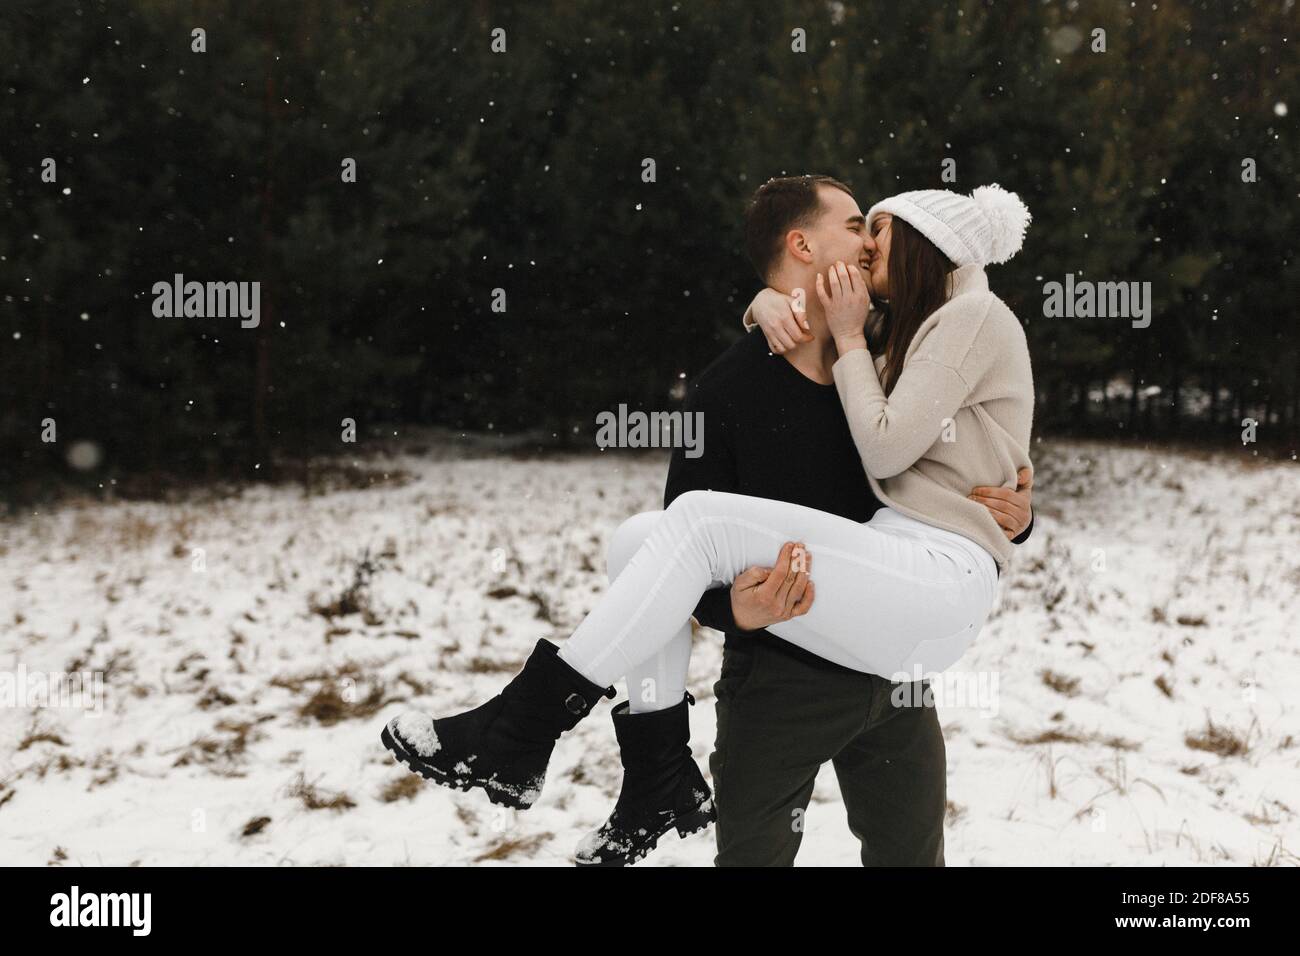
x: 1138, y: 679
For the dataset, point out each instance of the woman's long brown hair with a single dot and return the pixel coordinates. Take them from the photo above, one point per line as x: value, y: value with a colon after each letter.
x: 918, y: 284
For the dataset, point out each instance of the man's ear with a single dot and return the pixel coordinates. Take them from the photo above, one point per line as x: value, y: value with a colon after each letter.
x: 796, y: 243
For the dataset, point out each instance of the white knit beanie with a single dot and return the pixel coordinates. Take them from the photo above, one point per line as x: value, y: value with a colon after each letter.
x: 984, y: 228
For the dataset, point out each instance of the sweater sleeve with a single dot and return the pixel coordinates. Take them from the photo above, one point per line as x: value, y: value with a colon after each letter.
x: 892, y: 433
x: 714, y: 610
x: 748, y: 320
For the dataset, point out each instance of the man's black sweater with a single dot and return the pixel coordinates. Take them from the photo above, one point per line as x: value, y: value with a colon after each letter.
x: 771, y: 432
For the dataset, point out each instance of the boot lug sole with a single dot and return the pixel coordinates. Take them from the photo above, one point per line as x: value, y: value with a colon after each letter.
x: 693, y: 821
x: 443, y: 779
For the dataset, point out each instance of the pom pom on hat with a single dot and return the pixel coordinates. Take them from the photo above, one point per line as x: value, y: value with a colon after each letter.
x: 1008, y: 217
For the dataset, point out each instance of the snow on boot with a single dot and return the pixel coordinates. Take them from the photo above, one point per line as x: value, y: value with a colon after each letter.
x: 504, y: 745
x: 663, y: 789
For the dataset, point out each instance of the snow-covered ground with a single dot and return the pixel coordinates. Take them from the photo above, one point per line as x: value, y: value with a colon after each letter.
x: 1137, y: 706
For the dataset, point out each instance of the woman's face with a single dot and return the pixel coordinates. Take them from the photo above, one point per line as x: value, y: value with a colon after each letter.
x: 879, y: 243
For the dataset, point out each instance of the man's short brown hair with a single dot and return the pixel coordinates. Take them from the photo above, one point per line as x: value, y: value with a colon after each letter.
x: 779, y: 205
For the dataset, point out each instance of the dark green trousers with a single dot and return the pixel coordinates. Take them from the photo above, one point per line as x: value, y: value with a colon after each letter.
x: 782, y: 713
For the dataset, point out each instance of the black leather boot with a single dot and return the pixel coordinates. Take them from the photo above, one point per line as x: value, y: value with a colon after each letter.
x: 504, y: 745
x: 663, y: 789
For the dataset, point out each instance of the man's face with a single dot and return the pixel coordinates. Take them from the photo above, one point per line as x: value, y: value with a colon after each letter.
x: 840, y: 232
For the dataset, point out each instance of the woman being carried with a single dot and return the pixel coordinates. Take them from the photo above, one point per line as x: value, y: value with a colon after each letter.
x: 934, y: 376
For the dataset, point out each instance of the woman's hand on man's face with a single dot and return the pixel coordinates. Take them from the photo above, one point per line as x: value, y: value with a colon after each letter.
x: 845, y: 299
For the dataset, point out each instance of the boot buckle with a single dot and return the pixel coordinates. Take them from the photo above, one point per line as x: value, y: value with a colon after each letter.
x: 575, y: 704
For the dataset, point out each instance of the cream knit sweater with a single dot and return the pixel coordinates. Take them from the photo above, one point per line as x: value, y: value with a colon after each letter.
x: 959, y: 416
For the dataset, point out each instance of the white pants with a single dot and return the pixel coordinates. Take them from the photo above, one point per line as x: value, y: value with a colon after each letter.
x: 895, y: 596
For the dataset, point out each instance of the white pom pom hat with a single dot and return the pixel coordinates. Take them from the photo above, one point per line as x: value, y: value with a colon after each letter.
x: 984, y: 228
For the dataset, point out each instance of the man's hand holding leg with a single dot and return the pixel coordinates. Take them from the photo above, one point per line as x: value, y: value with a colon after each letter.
x: 1012, y: 510
x: 764, y: 596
